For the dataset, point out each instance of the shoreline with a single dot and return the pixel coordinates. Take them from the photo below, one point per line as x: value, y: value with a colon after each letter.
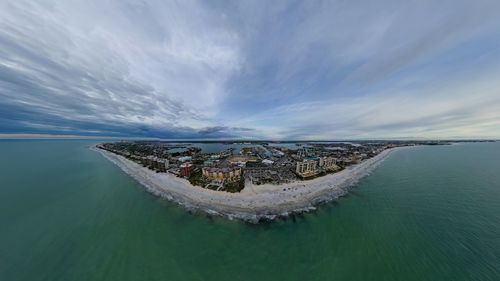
x: 255, y: 202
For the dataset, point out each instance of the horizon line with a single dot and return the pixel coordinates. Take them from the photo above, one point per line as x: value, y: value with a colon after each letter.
x: 87, y: 137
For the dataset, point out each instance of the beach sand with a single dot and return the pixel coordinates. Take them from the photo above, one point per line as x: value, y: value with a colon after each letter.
x: 254, y: 202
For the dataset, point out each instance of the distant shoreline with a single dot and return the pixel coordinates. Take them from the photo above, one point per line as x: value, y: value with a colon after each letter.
x: 253, y: 203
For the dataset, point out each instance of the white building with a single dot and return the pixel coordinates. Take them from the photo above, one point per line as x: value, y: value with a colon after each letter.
x: 185, y: 158
x: 328, y: 163
x: 267, y: 162
x: 222, y: 173
x: 307, y: 168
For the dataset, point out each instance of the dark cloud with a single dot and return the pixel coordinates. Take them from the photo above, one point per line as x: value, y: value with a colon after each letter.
x: 224, y: 131
x: 212, y: 130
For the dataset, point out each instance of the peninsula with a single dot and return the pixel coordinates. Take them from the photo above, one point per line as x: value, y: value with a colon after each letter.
x: 252, y: 181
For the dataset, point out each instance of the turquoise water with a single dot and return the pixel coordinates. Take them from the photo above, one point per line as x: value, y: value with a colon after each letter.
x: 427, y: 213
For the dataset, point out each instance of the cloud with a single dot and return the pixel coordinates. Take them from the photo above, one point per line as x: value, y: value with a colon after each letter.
x: 211, y: 130
x: 424, y: 113
x: 226, y: 132
x: 148, y: 65
x: 225, y: 69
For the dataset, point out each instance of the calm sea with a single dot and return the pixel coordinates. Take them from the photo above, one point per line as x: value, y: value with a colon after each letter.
x: 428, y: 213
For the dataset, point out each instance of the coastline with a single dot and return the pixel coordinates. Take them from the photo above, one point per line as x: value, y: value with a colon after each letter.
x: 253, y: 203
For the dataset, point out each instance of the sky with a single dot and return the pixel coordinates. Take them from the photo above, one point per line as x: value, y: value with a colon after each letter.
x: 308, y: 70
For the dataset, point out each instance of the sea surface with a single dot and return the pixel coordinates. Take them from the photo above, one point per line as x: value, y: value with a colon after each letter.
x: 427, y: 213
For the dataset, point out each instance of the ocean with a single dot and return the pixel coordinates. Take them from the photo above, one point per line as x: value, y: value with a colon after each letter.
x: 426, y: 213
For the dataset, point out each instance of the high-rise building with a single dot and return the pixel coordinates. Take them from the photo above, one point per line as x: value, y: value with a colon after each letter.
x: 328, y: 163
x: 186, y: 169
x: 307, y: 167
x: 222, y: 173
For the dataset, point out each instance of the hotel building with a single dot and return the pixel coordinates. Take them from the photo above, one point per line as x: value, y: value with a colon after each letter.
x: 222, y: 173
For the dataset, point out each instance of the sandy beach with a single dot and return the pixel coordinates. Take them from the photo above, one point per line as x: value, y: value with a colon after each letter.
x: 254, y: 202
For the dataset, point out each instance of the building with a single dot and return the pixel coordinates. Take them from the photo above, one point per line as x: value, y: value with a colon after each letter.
x: 241, y: 160
x: 158, y: 164
x: 146, y: 161
x: 303, y: 152
x: 328, y: 163
x: 185, y: 158
x: 277, y: 153
x: 209, y: 163
x: 162, y: 165
x: 307, y: 167
x: 222, y: 173
x: 155, y: 163
x: 186, y: 169
x: 267, y: 162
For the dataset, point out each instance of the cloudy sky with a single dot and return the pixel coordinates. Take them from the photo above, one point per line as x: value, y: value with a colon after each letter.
x: 251, y: 69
